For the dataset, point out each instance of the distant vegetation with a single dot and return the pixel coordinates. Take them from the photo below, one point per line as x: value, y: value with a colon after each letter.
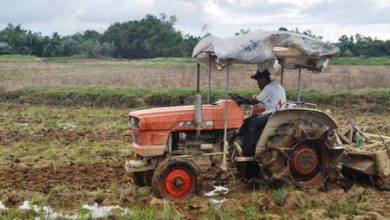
x: 384, y: 60
x: 351, y: 46
x: 149, y: 37
x: 360, y: 45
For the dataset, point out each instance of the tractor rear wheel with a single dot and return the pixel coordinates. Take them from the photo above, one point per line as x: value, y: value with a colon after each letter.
x: 176, y: 178
x: 298, y: 153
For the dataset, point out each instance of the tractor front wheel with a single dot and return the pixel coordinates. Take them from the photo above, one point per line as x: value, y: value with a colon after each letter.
x: 176, y: 178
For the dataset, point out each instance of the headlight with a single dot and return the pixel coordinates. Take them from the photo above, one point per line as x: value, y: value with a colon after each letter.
x: 133, y: 121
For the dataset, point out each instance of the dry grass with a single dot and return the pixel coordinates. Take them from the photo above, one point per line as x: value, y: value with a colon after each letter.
x: 30, y: 73
x: 343, y: 77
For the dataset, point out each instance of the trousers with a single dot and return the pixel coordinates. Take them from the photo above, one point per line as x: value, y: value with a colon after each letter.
x: 250, y: 132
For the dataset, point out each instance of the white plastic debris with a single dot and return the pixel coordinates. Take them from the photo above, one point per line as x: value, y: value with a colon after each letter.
x: 49, y: 213
x: 217, y: 203
x: 26, y: 205
x: 100, y: 212
x: 2, y: 206
x: 218, y: 190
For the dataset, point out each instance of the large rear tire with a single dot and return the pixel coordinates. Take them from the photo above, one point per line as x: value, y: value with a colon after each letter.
x: 176, y: 179
x: 298, y: 153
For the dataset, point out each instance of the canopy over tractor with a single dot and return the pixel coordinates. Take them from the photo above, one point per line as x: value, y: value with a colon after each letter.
x: 262, y: 47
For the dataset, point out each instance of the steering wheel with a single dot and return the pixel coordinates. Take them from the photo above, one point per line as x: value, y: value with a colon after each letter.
x: 242, y: 100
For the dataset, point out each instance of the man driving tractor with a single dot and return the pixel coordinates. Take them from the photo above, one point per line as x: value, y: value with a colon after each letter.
x: 272, y: 97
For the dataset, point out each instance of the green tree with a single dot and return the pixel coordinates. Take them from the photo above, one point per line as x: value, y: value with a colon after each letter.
x: 149, y: 37
x: 15, y: 36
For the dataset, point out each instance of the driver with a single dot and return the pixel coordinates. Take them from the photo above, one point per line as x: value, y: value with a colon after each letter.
x: 272, y: 96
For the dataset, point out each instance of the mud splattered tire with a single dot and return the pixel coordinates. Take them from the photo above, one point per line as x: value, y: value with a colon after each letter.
x: 298, y: 153
x: 176, y: 179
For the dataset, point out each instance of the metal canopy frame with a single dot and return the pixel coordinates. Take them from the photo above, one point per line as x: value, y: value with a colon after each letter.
x: 226, y: 115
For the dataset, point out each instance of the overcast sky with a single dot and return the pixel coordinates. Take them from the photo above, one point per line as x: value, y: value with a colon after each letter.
x: 328, y: 18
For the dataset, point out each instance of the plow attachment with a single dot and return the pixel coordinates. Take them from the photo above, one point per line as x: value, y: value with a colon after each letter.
x: 366, y: 155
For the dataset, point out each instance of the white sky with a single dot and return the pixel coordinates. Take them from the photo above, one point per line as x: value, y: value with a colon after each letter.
x: 328, y: 18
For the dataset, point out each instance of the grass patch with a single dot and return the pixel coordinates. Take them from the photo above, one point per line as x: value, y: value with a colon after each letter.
x: 252, y: 211
x: 361, y: 60
x: 16, y: 57
x: 342, y: 208
x: 59, y: 59
x: 35, y: 118
x: 147, y: 213
x: 279, y: 195
x: 133, y: 97
x: 169, y: 60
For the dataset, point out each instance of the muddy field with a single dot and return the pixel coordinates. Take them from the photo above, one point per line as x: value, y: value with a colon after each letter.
x: 65, y: 157
x: 71, y: 158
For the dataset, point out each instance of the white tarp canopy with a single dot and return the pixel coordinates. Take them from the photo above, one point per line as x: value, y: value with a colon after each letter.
x: 260, y: 47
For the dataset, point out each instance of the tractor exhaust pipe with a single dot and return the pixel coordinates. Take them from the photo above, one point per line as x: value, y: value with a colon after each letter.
x: 198, y: 104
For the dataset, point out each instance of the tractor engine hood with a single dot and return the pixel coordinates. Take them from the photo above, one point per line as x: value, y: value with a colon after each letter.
x: 182, y: 117
x: 162, y: 118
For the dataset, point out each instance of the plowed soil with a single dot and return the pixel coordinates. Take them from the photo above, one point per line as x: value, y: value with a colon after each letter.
x: 86, y: 176
x: 89, y: 183
x: 61, y: 134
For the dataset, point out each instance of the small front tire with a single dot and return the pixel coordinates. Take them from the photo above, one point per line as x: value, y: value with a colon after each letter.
x: 176, y: 179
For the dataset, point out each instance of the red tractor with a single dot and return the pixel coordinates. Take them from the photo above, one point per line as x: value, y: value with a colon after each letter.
x: 174, y: 145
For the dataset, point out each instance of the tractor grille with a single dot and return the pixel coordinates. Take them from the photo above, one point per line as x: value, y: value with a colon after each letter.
x: 137, y: 138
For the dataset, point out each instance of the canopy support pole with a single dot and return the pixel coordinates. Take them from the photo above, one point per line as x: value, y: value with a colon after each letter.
x: 299, y: 84
x: 198, y: 104
x: 225, y: 142
x: 209, y: 88
x: 281, y: 75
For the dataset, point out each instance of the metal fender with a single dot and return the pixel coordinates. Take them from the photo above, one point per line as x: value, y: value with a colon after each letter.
x: 285, y: 116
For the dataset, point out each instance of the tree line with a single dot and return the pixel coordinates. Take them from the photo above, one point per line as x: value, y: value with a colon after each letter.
x: 354, y: 45
x: 148, y: 37
x: 359, y: 45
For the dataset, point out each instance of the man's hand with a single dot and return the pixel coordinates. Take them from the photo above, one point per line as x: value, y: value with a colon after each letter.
x: 253, y: 99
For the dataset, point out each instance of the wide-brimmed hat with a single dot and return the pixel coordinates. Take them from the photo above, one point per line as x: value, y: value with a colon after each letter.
x: 265, y: 74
